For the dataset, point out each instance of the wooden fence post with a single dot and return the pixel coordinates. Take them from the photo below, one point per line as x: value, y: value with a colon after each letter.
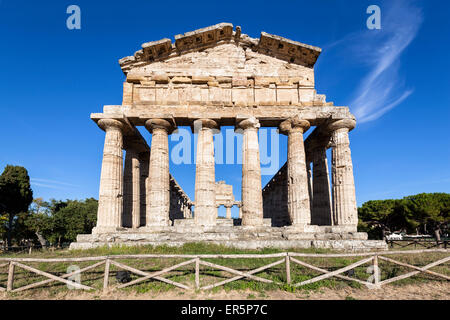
x: 106, y: 278
x: 376, y: 272
x: 10, y: 284
x: 288, y: 268
x: 197, y: 273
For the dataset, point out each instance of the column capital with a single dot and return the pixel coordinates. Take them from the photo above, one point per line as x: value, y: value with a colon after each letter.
x: 228, y: 204
x: 250, y: 123
x: 340, y: 124
x: 204, y: 123
x: 152, y: 124
x: 106, y: 124
x: 294, y: 123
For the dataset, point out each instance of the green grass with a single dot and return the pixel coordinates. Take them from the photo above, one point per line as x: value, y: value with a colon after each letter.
x: 185, y: 274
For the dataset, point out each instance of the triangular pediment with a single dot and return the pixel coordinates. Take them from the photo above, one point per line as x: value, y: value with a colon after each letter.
x: 220, y: 46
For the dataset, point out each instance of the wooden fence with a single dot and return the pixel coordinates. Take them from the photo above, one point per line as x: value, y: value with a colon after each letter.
x: 286, y: 258
x: 428, y: 244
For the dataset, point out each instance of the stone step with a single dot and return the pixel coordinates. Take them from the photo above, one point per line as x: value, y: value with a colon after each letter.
x: 346, y: 245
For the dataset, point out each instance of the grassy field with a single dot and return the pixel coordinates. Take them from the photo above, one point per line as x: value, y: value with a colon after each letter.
x: 185, y: 275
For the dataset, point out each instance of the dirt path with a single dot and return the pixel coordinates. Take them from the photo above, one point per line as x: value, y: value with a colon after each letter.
x: 428, y: 291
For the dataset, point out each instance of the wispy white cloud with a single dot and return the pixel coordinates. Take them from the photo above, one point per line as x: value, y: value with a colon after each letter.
x: 53, y: 184
x: 43, y: 185
x: 382, y: 88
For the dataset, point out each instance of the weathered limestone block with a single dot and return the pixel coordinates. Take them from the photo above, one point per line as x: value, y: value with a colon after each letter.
x: 297, y: 176
x: 199, y: 94
x: 205, y: 198
x: 306, y: 94
x: 146, y: 95
x: 219, y: 95
x: 158, y: 185
x: 344, y: 199
x: 166, y: 95
x: 252, y: 210
x: 110, y: 203
x: 266, y: 96
x: 127, y: 93
x: 242, y: 96
x: 287, y: 95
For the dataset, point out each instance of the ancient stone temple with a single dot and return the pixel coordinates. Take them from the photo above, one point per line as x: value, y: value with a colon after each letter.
x: 205, y: 79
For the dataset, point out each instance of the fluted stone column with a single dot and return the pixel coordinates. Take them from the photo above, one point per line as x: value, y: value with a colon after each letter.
x: 228, y: 208
x: 205, y: 179
x: 110, y: 202
x: 131, y: 190
x: 158, y: 184
x: 144, y: 164
x: 344, y: 199
x: 321, y: 210
x: 252, y: 202
x: 297, y: 175
x: 310, y: 183
x: 127, y: 190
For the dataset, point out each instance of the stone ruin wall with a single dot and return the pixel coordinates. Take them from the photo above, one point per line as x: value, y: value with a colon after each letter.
x: 180, y: 204
x: 275, y: 195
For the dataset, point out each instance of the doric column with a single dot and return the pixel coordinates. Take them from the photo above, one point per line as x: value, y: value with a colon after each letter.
x: 345, y: 212
x: 310, y: 183
x: 321, y: 209
x: 252, y: 203
x: 110, y: 202
x: 144, y: 163
x: 205, y: 180
x: 131, y: 190
x: 297, y: 175
x: 228, y: 208
x: 158, y: 184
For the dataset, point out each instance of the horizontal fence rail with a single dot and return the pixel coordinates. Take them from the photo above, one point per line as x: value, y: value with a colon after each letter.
x: 425, y: 243
x: 9, y: 266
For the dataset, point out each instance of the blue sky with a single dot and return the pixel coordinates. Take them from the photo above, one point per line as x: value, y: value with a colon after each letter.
x: 395, y: 80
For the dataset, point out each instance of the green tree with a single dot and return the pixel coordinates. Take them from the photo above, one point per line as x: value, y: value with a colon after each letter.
x: 40, y: 220
x: 78, y: 217
x: 374, y: 217
x: 15, y: 195
x: 426, y: 212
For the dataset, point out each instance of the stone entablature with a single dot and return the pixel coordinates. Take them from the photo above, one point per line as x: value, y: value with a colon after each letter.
x: 219, y: 77
x: 226, y: 91
x: 219, y: 66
